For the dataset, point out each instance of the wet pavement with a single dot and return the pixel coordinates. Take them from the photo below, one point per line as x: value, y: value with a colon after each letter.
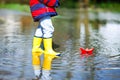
x: 73, y: 29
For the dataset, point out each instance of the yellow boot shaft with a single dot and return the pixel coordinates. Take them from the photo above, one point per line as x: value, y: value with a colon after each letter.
x: 48, y: 48
x: 36, y: 45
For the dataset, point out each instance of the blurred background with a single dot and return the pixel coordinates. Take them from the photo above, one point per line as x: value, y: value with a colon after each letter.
x: 80, y: 23
x: 104, y: 4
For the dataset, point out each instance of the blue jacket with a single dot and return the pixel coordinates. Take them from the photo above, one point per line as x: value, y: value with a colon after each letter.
x: 42, y: 8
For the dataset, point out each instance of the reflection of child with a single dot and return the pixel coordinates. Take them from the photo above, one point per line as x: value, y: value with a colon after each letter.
x: 42, y: 11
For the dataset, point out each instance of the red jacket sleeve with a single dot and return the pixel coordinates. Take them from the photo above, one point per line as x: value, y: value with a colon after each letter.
x: 50, y: 3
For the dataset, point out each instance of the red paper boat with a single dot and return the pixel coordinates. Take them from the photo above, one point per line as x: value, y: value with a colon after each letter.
x: 86, y: 52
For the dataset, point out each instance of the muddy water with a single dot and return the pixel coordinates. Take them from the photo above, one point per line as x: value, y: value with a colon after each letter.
x: 73, y: 29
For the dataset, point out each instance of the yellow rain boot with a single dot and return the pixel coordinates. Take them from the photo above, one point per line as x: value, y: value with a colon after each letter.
x: 49, y: 55
x: 36, y: 53
x: 48, y: 48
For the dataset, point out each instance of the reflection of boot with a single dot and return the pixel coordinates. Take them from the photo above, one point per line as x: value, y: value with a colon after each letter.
x: 49, y: 55
x: 36, y: 53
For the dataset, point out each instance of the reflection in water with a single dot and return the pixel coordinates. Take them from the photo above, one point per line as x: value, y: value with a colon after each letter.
x: 74, y: 29
x: 14, y: 54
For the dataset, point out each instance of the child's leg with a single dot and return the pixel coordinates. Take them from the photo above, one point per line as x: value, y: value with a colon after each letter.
x: 47, y: 27
x: 39, y: 31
